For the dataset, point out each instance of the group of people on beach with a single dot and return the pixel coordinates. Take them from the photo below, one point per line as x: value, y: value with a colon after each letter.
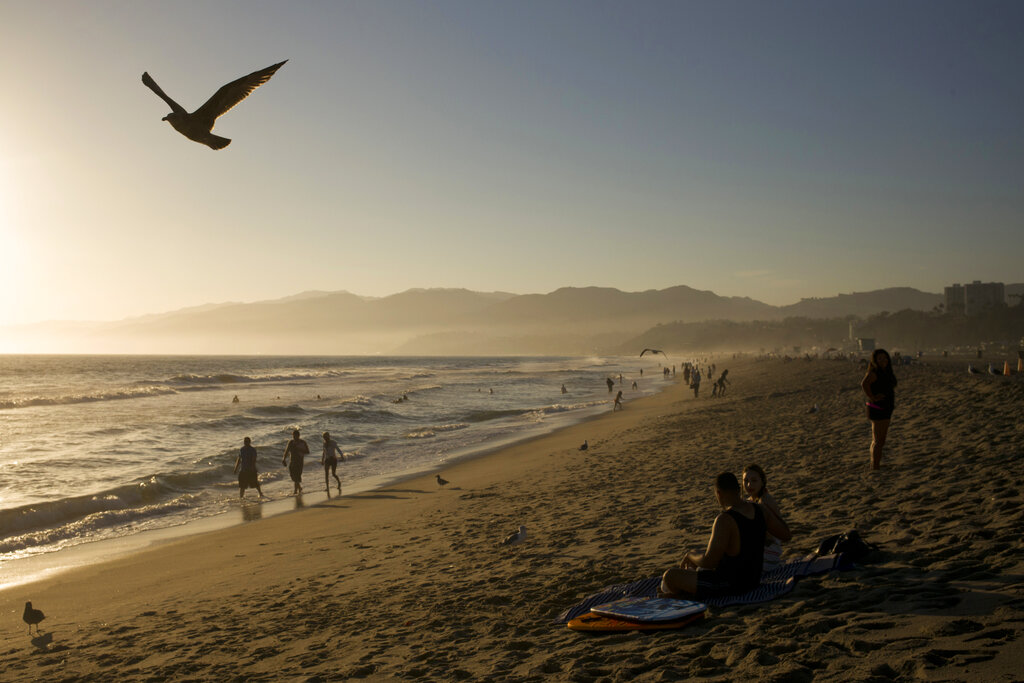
x: 294, y: 458
x: 747, y: 536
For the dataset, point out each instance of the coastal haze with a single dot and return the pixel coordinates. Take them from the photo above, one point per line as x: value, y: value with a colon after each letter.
x: 569, y: 321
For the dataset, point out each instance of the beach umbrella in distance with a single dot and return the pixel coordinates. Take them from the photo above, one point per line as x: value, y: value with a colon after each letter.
x: 440, y: 481
x: 198, y: 125
x: 32, y: 617
x: 516, y: 538
x: 653, y: 351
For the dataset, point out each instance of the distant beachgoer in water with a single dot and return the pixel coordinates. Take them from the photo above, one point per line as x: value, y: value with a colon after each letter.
x: 564, y: 390
x: 245, y: 468
x: 330, y: 462
x: 611, y: 384
x: 296, y: 449
x: 235, y: 399
x: 635, y: 387
x: 880, y: 386
x: 755, y: 483
x: 618, y: 402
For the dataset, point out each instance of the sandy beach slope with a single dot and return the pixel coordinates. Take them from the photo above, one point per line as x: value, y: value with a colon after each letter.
x: 409, y: 582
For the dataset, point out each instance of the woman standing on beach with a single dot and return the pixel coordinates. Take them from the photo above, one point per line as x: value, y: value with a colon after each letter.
x: 755, y: 483
x: 880, y: 386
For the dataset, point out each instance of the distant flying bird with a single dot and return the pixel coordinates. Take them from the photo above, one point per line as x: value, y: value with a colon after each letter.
x: 198, y: 125
x: 653, y: 351
x: 440, y: 481
x: 34, y: 616
x: 973, y: 370
x: 516, y: 538
x: 585, y: 446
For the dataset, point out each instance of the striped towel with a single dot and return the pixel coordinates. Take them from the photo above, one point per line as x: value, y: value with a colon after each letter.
x: 774, y: 583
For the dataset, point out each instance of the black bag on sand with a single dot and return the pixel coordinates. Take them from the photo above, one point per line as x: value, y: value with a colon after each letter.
x: 850, y: 545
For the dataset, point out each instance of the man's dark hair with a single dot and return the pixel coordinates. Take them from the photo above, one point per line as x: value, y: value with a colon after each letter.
x: 726, y: 482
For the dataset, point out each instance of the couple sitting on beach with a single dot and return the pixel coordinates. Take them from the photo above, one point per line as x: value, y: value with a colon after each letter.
x: 744, y: 536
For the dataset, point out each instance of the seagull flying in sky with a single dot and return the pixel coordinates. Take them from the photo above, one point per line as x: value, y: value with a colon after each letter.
x: 198, y: 125
x: 34, y: 616
x: 516, y: 538
x: 653, y: 351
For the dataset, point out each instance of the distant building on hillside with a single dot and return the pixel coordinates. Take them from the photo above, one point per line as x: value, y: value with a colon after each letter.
x: 974, y: 298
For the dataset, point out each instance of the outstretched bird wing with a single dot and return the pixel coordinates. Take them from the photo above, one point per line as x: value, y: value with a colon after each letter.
x: 151, y: 84
x: 231, y: 94
x: 653, y: 351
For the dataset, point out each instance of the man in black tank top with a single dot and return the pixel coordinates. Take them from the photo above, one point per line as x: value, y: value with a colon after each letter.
x: 732, y: 562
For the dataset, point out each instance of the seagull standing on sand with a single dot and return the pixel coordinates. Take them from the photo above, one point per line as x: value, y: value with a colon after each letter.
x: 516, y: 538
x: 34, y: 616
x: 585, y: 446
x: 440, y: 481
x: 973, y: 370
x: 992, y: 370
x: 198, y: 125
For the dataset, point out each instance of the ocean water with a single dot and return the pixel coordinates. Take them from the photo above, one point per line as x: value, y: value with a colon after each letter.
x: 101, y: 447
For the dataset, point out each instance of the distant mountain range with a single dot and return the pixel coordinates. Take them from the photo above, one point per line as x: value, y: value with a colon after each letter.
x: 568, y: 321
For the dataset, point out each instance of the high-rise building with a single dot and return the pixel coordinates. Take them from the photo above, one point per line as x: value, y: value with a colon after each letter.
x: 974, y: 298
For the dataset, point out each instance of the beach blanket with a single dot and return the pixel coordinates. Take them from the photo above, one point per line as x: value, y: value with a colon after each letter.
x: 774, y: 583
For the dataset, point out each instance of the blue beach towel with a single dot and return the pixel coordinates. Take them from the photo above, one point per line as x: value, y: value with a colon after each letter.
x: 774, y: 583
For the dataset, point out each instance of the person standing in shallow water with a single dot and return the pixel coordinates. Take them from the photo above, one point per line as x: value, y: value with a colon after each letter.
x: 245, y: 468
x: 880, y: 387
x: 330, y: 462
x: 297, y: 449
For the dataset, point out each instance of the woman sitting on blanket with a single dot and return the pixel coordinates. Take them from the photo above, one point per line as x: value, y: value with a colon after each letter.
x: 755, y: 483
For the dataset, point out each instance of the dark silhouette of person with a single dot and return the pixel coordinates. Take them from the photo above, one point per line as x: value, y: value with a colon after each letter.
x: 296, y: 449
x: 880, y: 386
x: 330, y: 462
x: 245, y: 468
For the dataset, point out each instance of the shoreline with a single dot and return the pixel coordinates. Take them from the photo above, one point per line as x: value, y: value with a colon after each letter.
x: 45, y: 565
x: 410, y: 582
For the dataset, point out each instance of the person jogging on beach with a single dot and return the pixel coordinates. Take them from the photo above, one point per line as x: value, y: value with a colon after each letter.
x: 330, y: 462
x: 618, y: 402
x: 245, y: 468
x: 296, y: 449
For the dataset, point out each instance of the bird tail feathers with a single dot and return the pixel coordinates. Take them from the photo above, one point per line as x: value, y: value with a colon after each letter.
x: 217, y: 142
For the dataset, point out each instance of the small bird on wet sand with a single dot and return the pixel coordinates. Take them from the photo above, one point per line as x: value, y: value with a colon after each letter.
x: 585, y: 446
x: 973, y: 370
x: 198, y: 125
x: 814, y: 408
x: 440, y: 481
x: 516, y: 538
x: 32, y: 617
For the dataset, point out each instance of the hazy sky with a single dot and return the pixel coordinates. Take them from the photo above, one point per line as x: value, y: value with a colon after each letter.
x: 767, y: 149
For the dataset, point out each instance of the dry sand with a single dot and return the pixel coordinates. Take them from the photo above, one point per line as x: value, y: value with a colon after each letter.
x: 409, y: 583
